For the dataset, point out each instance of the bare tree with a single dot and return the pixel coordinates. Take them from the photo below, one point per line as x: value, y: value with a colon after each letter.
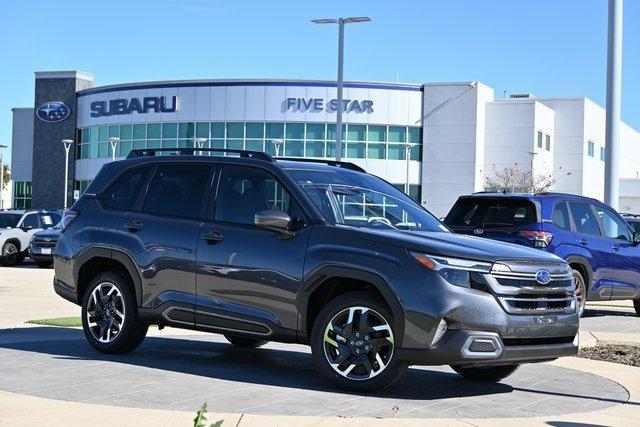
x: 513, y: 178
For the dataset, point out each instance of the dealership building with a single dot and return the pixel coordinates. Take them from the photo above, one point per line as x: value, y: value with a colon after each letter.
x: 436, y: 140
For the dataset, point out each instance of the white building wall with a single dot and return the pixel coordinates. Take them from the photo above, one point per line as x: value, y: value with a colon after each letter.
x: 22, y: 144
x: 594, y: 130
x: 629, y: 195
x: 511, y: 136
x: 569, y: 144
x: 451, y: 142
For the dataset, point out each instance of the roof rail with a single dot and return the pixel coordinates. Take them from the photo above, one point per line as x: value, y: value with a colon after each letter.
x: 344, y: 165
x: 192, y: 151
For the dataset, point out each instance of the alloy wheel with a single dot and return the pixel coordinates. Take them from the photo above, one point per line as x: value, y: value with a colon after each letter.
x: 10, y: 253
x: 105, y: 312
x: 358, y: 343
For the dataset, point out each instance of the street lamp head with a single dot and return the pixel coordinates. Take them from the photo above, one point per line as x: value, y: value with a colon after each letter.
x: 3, y: 146
x: 114, y: 139
x: 325, y: 21
x: 355, y: 19
x: 67, y: 141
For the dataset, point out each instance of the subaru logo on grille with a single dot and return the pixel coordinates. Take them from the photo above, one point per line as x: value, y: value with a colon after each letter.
x: 47, y: 239
x: 52, y: 112
x: 478, y: 231
x: 543, y: 277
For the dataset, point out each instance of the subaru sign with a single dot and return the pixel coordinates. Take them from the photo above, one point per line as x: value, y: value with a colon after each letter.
x: 53, y: 111
x: 318, y: 104
x: 116, y: 107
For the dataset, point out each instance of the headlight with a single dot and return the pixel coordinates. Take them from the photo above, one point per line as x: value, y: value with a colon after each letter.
x: 456, y: 271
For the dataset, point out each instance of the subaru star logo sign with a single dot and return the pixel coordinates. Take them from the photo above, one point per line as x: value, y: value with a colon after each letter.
x: 53, y: 111
x: 543, y: 277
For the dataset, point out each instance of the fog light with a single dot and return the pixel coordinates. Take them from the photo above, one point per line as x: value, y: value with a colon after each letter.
x: 442, y: 328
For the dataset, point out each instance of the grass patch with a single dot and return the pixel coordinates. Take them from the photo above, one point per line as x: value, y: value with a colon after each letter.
x: 68, y: 322
x: 617, y: 353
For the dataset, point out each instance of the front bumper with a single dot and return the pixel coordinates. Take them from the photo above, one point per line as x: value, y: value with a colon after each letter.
x: 459, y: 347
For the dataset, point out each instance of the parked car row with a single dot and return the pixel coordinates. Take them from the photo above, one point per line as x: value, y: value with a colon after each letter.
x: 31, y: 233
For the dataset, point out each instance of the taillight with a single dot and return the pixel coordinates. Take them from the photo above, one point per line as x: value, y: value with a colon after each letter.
x: 540, y: 239
x: 68, y: 216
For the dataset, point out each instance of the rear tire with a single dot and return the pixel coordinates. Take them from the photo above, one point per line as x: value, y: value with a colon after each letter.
x: 485, y: 373
x: 110, y: 315
x: 353, y: 343
x: 245, y: 342
x: 636, y: 305
x: 10, y: 255
x: 581, y: 291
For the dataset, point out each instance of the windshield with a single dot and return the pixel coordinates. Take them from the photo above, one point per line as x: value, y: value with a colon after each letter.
x: 364, y: 201
x: 9, y: 220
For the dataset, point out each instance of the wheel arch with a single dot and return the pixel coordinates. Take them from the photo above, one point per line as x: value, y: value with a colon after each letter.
x: 96, y: 260
x: 584, y: 267
x: 330, y: 281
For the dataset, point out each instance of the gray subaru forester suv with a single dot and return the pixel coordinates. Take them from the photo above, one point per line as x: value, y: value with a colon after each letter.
x: 304, y: 251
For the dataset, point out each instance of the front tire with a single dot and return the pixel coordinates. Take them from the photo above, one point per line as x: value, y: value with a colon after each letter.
x: 485, y: 373
x: 245, y: 342
x: 581, y: 291
x: 110, y: 315
x: 10, y: 254
x: 353, y: 344
x: 636, y: 305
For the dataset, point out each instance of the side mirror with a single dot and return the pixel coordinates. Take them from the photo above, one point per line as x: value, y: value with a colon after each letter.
x: 26, y: 227
x: 636, y: 238
x: 273, y: 220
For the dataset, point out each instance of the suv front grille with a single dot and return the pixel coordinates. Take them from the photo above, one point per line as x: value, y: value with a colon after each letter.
x: 45, y: 244
x: 514, y: 284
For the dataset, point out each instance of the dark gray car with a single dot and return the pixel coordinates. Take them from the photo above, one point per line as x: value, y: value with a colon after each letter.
x: 301, y: 251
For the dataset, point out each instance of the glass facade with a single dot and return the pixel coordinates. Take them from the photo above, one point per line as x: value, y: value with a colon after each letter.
x: 22, y: 194
x: 300, y: 139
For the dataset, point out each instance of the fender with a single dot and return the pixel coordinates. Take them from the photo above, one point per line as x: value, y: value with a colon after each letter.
x: 319, y: 276
x: 583, y: 261
x: 114, y: 254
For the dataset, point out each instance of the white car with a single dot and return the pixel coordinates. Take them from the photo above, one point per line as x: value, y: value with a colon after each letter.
x: 16, y: 230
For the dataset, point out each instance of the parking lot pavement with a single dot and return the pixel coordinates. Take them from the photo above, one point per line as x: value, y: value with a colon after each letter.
x: 26, y: 293
x: 182, y: 372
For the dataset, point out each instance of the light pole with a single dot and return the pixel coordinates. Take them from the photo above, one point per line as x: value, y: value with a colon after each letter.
x: 67, y: 145
x: 200, y: 143
x: 276, y: 145
x: 614, y: 89
x: 2, y: 147
x: 407, y: 155
x: 114, y: 144
x: 340, y: 22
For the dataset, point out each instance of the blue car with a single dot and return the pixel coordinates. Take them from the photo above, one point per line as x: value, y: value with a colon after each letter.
x: 601, y: 247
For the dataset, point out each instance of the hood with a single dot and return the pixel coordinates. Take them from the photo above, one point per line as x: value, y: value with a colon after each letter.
x: 49, y: 232
x: 455, y: 245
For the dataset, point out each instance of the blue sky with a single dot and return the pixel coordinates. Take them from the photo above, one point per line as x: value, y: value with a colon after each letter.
x: 545, y: 47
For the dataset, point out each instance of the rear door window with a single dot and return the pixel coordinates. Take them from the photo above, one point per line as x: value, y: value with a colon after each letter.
x: 487, y: 212
x: 584, y: 218
x: 178, y: 190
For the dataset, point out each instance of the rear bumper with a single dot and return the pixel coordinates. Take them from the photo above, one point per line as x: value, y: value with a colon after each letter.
x: 457, y: 348
x: 65, y: 291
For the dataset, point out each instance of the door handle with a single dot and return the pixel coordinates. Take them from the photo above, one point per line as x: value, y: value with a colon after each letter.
x: 212, y: 237
x: 133, y: 226
x: 583, y: 242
